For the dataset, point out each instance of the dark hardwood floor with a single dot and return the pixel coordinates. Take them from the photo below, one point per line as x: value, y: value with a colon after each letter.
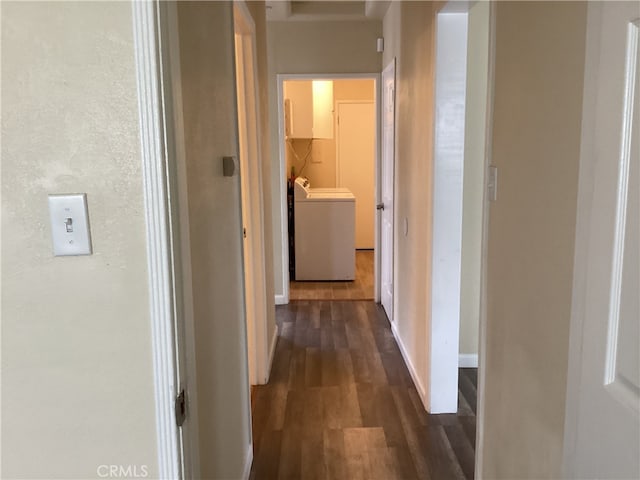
x: 341, y: 404
x: 359, y: 289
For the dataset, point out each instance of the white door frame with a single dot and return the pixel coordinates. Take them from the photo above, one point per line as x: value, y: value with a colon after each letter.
x: 486, y: 209
x: 390, y: 69
x: 464, y: 7
x: 446, y: 240
x: 164, y: 171
x: 284, y: 230
x: 251, y: 187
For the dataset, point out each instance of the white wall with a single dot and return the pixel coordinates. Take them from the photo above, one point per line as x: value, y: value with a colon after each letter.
x: 77, y: 374
x: 448, y: 163
x: 539, y: 72
x: 311, y: 47
x: 473, y: 181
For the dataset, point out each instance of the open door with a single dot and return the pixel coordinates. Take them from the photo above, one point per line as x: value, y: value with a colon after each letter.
x: 251, y: 192
x: 387, y: 181
x: 602, y: 434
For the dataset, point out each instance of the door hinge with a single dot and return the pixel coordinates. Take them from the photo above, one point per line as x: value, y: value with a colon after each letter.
x: 244, y: 232
x: 181, y: 408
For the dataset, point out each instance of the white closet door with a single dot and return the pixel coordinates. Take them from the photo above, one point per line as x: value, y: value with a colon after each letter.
x: 603, y: 406
x: 356, y: 163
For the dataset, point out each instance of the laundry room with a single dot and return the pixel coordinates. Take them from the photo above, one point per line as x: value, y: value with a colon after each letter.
x: 329, y: 149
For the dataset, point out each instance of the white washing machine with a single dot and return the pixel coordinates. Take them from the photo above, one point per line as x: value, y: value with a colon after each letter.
x: 325, y: 232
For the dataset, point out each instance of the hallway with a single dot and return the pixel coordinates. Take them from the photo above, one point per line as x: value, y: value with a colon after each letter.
x: 341, y: 404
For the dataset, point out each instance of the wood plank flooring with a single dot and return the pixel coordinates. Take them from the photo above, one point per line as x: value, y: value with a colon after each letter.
x: 359, y: 289
x: 341, y: 404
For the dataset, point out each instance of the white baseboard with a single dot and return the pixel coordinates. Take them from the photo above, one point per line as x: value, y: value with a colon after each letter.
x: 414, y: 375
x: 272, y: 352
x: 247, y: 463
x: 468, y: 360
x: 281, y: 300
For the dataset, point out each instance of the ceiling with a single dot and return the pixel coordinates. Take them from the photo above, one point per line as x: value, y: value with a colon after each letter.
x: 323, y: 10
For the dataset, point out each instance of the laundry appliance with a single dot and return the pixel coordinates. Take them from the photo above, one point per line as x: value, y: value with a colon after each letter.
x: 324, y: 219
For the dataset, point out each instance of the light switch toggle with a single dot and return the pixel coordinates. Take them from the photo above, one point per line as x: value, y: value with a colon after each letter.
x: 70, y: 224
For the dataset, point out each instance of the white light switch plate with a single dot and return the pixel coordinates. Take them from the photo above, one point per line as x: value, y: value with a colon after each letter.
x: 492, y: 183
x: 70, y: 224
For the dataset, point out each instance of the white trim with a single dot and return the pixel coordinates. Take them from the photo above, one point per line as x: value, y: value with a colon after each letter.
x: 443, y: 324
x: 482, y: 343
x: 183, y: 288
x: 621, y: 210
x: 272, y: 351
x: 325, y: 76
x: 586, y: 178
x: 412, y: 370
x: 468, y: 360
x: 179, y: 226
x: 284, y: 227
x: 157, y: 218
x: 377, y: 225
x: 391, y: 66
x: 282, y: 184
x: 248, y: 463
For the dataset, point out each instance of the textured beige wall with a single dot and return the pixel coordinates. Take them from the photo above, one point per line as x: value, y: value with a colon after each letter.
x: 77, y: 374
x: 409, y: 26
x: 311, y: 47
x: 539, y: 67
x: 210, y: 130
x: 391, y: 33
x: 473, y: 178
x: 258, y: 12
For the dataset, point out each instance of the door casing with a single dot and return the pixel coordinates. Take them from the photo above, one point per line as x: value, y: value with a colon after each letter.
x: 284, y: 231
x: 251, y: 193
x: 388, y: 164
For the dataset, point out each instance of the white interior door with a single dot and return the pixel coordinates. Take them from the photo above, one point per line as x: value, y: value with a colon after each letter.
x: 245, y: 190
x: 251, y: 193
x: 356, y: 163
x: 183, y: 327
x: 603, y: 400
x: 387, y: 172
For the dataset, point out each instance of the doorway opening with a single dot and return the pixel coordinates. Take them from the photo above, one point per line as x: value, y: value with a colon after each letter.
x: 460, y: 139
x: 251, y: 196
x: 328, y: 154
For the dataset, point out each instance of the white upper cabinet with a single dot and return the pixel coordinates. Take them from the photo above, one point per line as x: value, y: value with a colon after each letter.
x: 322, y: 108
x: 308, y: 108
